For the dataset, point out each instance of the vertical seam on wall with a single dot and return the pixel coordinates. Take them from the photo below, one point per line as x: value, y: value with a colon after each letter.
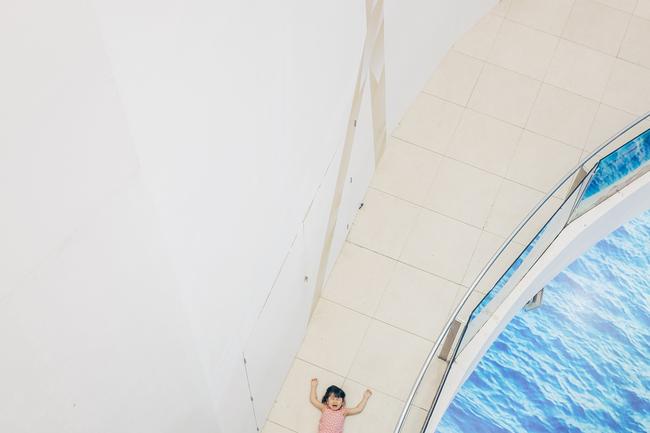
x: 338, y: 192
x: 346, y: 154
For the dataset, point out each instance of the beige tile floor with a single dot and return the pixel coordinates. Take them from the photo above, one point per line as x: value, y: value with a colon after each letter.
x: 518, y: 100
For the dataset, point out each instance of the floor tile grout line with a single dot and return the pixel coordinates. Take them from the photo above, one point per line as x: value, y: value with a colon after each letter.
x: 558, y: 38
x: 421, y: 207
x: 627, y: 28
x: 401, y: 261
x: 609, y: 79
x: 539, y: 90
x: 511, y: 19
x: 374, y: 317
x: 602, y: 96
x: 482, y: 231
x: 471, y: 93
x: 379, y: 391
x: 610, y: 106
x: 462, y: 284
x: 492, y: 207
x: 437, y: 212
x: 453, y: 133
x: 377, y: 319
x: 393, y: 265
x: 638, y: 65
x: 346, y: 377
x: 508, y: 7
x: 386, y: 285
x: 482, y: 169
x: 564, y: 27
x: 487, y: 61
x: 359, y: 346
x: 460, y: 118
x: 646, y: 70
x: 637, y: 7
x: 561, y: 37
x: 632, y: 17
x: 371, y: 319
x: 386, y: 394
x: 469, y: 164
x: 466, y: 107
x: 614, y: 7
x: 435, y: 177
x: 410, y: 232
x: 532, y: 108
x: 280, y: 425
x: 446, y: 156
x: 502, y: 120
x: 616, y: 56
x: 406, y: 263
x: 511, y: 158
x: 313, y: 364
x: 451, y: 217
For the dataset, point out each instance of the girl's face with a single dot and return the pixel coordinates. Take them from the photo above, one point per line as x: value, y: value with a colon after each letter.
x: 334, y: 403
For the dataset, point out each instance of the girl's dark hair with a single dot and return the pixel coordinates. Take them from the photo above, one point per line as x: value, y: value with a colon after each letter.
x: 335, y: 391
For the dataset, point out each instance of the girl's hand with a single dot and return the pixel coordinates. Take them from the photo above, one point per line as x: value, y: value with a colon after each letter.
x: 314, y: 382
x: 367, y: 393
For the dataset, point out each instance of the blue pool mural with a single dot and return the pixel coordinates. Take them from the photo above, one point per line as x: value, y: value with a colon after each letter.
x: 621, y: 163
x: 579, y: 363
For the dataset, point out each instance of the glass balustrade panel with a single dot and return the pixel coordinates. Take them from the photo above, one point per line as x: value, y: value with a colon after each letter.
x: 587, y: 186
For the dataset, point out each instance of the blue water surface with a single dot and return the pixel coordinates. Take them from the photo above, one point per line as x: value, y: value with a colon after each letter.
x: 578, y: 363
x: 620, y: 164
x: 506, y: 277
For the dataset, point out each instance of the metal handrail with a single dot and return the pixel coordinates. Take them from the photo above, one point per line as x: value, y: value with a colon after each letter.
x: 486, y: 268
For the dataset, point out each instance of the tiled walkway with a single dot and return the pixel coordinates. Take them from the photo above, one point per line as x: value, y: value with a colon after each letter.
x: 515, y: 104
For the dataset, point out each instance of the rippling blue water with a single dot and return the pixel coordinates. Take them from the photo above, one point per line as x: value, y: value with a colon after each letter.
x: 505, y: 278
x: 580, y: 362
x: 620, y: 164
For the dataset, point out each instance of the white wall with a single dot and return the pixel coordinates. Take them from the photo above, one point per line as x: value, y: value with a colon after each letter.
x: 166, y: 177
x: 254, y: 98
x: 360, y: 169
x: 158, y: 161
x: 92, y: 335
x: 94, y: 339
x: 418, y: 33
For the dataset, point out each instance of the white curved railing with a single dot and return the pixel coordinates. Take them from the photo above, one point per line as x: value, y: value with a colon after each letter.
x: 575, y: 182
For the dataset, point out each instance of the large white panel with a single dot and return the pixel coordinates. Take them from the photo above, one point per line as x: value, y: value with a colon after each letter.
x: 64, y: 143
x: 278, y: 331
x: 97, y: 339
x: 360, y: 170
x: 235, y: 398
x: 236, y: 110
x: 317, y: 220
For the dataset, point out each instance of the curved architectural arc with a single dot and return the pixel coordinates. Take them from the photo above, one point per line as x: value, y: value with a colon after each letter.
x: 576, y: 181
x: 571, y: 243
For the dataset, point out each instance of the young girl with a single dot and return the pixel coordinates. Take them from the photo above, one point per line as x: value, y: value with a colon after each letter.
x: 332, y: 407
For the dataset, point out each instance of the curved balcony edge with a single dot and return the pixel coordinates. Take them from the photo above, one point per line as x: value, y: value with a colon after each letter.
x: 573, y: 241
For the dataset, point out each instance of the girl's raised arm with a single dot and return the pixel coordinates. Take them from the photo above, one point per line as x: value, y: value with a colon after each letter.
x: 312, y: 395
x: 362, y: 404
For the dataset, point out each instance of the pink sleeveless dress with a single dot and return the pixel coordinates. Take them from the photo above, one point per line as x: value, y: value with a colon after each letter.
x: 331, y: 421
